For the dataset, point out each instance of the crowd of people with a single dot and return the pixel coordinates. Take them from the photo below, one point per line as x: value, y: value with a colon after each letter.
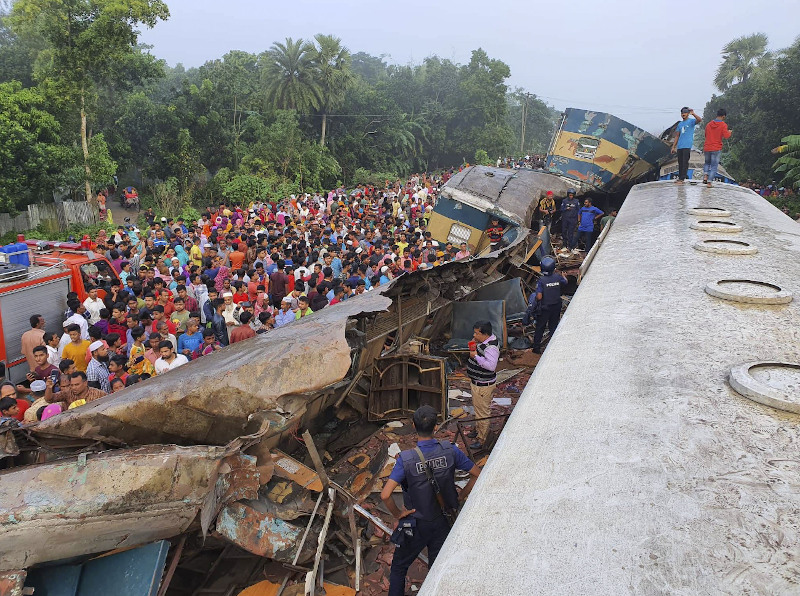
x: 185, y: 289
x: 515, y: 163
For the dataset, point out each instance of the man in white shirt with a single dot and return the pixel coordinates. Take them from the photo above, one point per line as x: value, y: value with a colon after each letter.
x: 77, y: 317
x: 93, y: 304
x: 169, y: 359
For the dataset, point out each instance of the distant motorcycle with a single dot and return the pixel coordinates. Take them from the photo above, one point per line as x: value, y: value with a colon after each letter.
x: 130, y: 198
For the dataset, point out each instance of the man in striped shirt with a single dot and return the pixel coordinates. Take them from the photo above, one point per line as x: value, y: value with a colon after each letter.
x: 483, y: 356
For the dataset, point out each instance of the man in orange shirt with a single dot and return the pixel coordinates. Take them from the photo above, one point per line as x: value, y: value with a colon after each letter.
x: 236, y: 257
x: 716, y: 130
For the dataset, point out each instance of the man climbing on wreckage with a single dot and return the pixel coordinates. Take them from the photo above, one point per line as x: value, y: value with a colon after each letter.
x: 430, y: 499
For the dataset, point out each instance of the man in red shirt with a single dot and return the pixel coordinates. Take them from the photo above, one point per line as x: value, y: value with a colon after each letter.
x: 243, y: 331
x: 716, y: 130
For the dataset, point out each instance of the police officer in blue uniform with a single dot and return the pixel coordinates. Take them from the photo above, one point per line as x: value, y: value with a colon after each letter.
x: 569, y: 219
x: 548, y: 293
x: 422, y: 518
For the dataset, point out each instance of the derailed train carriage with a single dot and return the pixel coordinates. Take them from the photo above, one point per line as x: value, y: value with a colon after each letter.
x: 654, y: 449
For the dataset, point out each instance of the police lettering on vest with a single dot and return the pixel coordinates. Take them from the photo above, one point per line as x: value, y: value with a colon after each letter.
x: 549, y: 286
x: 417, y: 491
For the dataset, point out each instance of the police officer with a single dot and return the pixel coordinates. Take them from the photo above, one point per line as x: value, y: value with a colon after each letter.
x: 569, y: 219
x: 422, y: 513
x: 548, y: 293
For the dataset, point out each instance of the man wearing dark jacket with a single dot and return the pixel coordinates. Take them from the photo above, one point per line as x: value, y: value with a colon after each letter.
x: 218, y: 325
x: 422, y: 518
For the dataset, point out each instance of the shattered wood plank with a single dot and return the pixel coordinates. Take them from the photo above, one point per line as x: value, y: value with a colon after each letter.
x: 173, y: 565
x: 288, y: 467
x: 312, y: 451
x: 349, y: 388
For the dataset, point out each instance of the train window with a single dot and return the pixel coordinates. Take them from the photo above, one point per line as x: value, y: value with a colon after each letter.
x: 459, y: 234
x: 587, y: 147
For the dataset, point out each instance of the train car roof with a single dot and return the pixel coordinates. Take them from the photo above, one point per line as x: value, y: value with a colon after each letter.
x: 630, y: 465
x: 511, y: 194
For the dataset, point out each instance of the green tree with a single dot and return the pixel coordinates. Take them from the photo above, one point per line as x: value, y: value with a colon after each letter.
x: 761, y: 111
x: 86, y: 42
x: 788, y: 164
x: 289, y: 76
x: 332, y: 72
x: 740, y: 58
x: 31, y: 157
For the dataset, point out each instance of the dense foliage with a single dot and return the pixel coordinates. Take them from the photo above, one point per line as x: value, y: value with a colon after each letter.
x: 761, y: 93
x: 82, y: 102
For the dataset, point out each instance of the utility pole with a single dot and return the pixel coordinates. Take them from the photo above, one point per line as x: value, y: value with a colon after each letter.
x: 524, y: 117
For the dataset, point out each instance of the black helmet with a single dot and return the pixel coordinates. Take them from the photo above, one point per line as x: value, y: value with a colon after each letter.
x: 570, y: 191
x: 548, y: 265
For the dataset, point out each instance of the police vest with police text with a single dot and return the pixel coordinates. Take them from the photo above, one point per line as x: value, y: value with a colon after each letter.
x: 551, y: 289
x: 417, y: 491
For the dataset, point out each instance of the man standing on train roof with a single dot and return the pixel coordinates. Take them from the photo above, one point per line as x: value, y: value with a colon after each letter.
x: 716, y: 130
x: 427, y: 477
x: 548, y: 293
x: 684, y: 137
x: 569, y: 220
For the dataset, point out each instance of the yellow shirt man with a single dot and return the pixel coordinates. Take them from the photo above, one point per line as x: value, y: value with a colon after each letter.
x: 77, y: 353
x: 196, y: 255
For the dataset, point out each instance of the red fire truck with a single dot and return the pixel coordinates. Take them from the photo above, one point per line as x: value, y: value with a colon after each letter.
x: 41, y: 288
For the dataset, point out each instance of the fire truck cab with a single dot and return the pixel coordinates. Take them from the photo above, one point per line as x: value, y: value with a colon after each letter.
x: 55, y: 268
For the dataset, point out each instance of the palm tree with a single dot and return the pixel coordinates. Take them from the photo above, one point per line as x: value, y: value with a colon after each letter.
x: 789, y: 162
x: 289, y: 76
x: 332, y: 73
x: 740, y: 58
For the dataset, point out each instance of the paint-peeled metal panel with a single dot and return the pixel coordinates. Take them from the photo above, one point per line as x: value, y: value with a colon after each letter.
x: 262, y: 533
x: 599, y: 150
x: 12, y: 582
x: 209, y: 401
x: 111, y: 500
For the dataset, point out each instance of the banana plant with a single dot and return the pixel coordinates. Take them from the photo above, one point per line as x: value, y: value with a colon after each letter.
x: 788, y: 163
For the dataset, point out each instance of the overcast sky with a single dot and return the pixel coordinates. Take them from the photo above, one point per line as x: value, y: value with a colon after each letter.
x: 638, y: 59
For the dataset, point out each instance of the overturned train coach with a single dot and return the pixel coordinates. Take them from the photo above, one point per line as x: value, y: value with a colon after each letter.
x: 654, y: 449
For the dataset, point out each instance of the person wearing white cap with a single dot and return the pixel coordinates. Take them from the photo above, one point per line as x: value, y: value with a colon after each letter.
x: 386, y: 275
x: 39, y: 393
x: 285, y: 315
x: 97, y: 369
